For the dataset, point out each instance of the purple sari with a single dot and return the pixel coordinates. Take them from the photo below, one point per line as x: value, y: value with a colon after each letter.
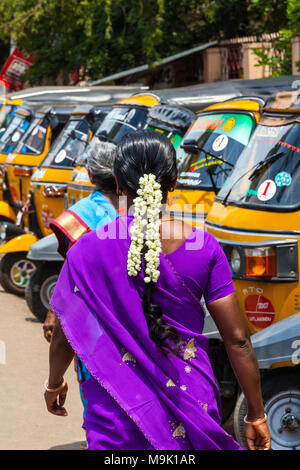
x: 139, y: 398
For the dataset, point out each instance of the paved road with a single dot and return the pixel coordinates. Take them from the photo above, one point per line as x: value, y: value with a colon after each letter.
x: 24, y: 420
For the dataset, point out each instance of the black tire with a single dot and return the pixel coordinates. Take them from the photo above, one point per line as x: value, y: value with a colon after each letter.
x: 281, y: 392
x: 6, y: 219
x: 40, y: 287
x: 15, y: 271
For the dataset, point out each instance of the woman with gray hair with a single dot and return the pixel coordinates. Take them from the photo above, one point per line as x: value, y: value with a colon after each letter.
x: 89, y: 213
x: 99, y: 208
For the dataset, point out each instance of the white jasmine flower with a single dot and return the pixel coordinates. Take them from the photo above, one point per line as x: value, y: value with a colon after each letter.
x: 145, y: 229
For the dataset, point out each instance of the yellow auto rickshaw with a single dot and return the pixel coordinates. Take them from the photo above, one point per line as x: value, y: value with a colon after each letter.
x: 170, y: 120
x: 167, y: 119
x: 32, y: 219
x: 29, y: 152
x: 15, y: 130
x: 7, y: 108
x: 208, y: 153
x: 126, y: 115
x: 256, y: 218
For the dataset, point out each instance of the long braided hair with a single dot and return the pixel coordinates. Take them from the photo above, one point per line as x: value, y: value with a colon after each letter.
x: 149, y: 155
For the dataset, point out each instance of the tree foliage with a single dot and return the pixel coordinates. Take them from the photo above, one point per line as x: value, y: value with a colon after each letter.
x: 280, y: 61
x: 101, y: 37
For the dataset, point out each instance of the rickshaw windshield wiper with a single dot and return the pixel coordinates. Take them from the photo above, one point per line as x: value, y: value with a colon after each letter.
x: 78, y: 135
x: 193, y: 147
x: 263, y: 163
x: 215, y: 157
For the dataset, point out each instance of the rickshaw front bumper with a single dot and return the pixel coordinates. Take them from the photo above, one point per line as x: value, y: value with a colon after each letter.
x: 278, y: 343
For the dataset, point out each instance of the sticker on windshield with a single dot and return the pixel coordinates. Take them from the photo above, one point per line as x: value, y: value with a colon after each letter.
x: 269, y: 131
x: 60, y: 156
x: 220, y: 143
x: 283, y: 179
x: 16, y: 136
x: 10, y: 157
x: 205, y: 162
x: 266, y: 190
x: 229, y: 124
x: 82, y: 177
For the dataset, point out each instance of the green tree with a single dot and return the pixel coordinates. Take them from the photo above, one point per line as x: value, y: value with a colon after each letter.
x: 101, y: 37
x: 280, y: 61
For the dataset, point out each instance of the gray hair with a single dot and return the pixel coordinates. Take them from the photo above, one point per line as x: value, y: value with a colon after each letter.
x: 100, y: 161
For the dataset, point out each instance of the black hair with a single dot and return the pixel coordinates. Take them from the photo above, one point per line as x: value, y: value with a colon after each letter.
x: 139, y: 153
x: 144, y: 152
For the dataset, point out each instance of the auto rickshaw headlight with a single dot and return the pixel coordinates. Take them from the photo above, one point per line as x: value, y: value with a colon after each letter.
x: 53, y: 190
x: 260, y: 262
x: 3, y: 231
x: 235, y: 260
x: 22, y: 171
x: 271, y: 260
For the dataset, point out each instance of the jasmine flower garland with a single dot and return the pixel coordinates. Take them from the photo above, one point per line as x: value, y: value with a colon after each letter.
x: 145, y: 229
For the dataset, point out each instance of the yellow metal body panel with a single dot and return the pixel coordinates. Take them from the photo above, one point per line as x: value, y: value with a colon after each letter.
x: 7, y: 211
x: 80, y: 186
x: 19, y: 243
x: 19, y: 183
x: 140, y: 100
x: 237, y: 105
x: 283, y: 297
x: 48, y: 208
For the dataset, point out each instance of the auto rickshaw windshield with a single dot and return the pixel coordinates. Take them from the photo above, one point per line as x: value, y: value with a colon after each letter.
x: 218, y: 139
x: 34, y: 140
x: 69, y: 145
x: 118, y: 122
x: 13, y: 133
x: 6, y: 116
x: 267, y: 174
x: 122, y: 120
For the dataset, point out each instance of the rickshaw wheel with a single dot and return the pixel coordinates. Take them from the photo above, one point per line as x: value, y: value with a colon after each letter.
x: 40, y: 288
x: 15, y: 272
x: 281, y: 396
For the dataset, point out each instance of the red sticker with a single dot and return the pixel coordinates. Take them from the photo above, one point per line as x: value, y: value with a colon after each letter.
x: 259, y: 310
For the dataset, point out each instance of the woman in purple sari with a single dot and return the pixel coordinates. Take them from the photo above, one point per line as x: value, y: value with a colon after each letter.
x: 128, y: 303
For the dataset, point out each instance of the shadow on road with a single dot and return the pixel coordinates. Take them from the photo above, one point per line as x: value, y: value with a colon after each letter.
x: 71, y: 446
x: 32, y: 320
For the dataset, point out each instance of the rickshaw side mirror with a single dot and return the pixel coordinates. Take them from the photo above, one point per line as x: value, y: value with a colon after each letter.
x: 77, y: 135
x: 190, y: 146
x: 54, y: 121
x: 30, y: 116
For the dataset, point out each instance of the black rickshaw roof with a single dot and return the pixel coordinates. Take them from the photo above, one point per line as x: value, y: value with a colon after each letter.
x: 197, y: 97
x: 171, y: 116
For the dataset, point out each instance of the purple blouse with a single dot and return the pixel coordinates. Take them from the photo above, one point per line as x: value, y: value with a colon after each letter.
x: 137, y: 406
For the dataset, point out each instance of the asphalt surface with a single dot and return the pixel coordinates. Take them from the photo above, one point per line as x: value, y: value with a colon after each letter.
x: 25, y: 423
